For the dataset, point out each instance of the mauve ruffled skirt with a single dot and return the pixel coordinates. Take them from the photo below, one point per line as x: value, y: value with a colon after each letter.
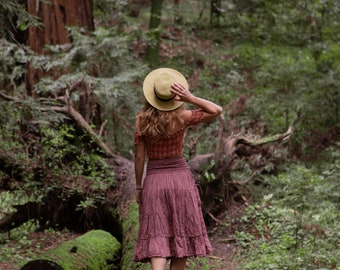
x: 170, y: 217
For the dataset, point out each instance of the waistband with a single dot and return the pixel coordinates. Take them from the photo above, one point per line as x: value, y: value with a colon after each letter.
x: 169, y: 164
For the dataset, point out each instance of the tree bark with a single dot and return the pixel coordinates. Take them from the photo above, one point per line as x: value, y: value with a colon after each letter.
x: 92, y: 251
x: 215, y: 12
x: 152, y: 52
x: 56, y: 15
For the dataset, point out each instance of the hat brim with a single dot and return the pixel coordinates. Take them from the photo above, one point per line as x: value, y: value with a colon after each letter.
x: 149, y: 94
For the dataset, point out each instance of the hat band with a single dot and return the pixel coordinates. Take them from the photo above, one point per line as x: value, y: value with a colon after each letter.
x: 162, y: 99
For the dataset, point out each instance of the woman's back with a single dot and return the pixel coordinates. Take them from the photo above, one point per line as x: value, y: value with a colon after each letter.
x: 171, y: 145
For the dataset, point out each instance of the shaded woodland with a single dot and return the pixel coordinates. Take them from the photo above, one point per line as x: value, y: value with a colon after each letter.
x: 70, y: 87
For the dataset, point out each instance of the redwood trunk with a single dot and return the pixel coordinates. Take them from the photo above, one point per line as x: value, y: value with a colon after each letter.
x: 56, y: 15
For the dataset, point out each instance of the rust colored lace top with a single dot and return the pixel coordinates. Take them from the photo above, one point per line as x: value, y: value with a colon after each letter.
x: 167, y: 147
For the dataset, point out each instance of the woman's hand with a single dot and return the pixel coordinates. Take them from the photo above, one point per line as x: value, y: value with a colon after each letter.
x: 183, y: 94
x: 210, y: 109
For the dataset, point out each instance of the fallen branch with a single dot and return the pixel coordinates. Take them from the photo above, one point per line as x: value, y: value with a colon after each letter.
x: 214, y: 257
x: 269, y: 139
x: 78, y: 118
x: 220, y: 138
x: 8, y: 98
x: 101, y: 130
x: 215, y: 219
x: 248, y: 180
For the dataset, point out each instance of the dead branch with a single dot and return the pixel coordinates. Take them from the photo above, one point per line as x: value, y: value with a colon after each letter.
x: 69, y: 110
x: 214, y: 257
x: 278, y: 138
x: 228, y: 155
x: 248, y: 180
x: 102, y: 127
x: 215, y: 219
x: 75, y: 85
x: 78, y: 118
x: 219, y: 143
x: 8, y: 98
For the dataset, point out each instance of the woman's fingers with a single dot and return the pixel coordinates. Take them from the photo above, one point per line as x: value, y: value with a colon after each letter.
x: 177, y: 88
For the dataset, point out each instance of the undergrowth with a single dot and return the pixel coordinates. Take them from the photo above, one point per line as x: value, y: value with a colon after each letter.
x: 295, y: 225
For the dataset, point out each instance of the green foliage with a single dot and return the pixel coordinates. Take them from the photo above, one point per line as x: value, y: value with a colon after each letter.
x: 103, y: 59
x: 207, y: 175
x: 130, y: 227
x: 287, y: 88
x: 278, y: 54
x: 13, y: 15
x: 22, y: 250
x: 22, y: 244
x: 296, y: 224
x: 13, y: 58
x: 282, y: 55
x: 108, y: 11
x: 57, y: 149
x: 290, y: 22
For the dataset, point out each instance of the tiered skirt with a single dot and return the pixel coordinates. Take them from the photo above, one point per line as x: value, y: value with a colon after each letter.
x: 171, y: 223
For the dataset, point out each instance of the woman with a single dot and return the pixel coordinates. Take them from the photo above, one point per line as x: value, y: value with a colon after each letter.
x: 171, y: 224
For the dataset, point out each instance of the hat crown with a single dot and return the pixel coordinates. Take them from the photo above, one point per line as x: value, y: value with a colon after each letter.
x: 157, y: 88
x: 162, y: 86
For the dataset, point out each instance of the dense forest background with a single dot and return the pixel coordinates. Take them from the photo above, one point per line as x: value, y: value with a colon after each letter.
x: 269, y: 168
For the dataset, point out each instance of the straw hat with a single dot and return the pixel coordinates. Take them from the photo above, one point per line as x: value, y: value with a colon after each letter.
x: 157, y: 85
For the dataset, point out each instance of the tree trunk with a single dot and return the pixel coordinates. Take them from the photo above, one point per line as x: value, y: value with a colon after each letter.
x: 215, y: 12
x: 56, y: 15
x: 177, y: 14
x: 92, y: 251
x: 152, y: 52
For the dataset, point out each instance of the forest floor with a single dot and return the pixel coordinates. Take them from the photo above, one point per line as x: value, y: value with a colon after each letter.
x: 221, y: 237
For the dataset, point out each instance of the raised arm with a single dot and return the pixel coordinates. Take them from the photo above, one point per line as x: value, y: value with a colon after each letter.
x: 210, y: 109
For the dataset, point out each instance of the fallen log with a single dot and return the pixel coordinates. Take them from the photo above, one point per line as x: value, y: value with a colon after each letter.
x: 94, y: 250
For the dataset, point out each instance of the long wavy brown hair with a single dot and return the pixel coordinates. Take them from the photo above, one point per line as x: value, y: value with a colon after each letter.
x: 155, y: 123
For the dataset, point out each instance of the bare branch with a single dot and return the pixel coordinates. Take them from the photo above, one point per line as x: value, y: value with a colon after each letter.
x: 74, y: 86
x: 220, y: 139
x: 248, y: 180
x: 8, y: 98
x: 215, y: 219
x: 269, y: 139
x: 79, y: 119
x: 102, y: 128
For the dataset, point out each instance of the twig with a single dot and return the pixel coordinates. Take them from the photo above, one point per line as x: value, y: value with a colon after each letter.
x: 219, y: 143
x: 215, y: 219
x: 230, y: 239
x: 8, y: 98
x: 249, y: 179
x: 75, y: 84
x: 214, y: 257
x: 101, y: 130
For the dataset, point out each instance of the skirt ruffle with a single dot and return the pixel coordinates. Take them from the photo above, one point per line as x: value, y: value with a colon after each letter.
x: 171, y: 223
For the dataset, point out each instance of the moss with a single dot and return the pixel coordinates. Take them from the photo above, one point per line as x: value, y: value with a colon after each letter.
x: 93, y: 250
x: 130, y: 232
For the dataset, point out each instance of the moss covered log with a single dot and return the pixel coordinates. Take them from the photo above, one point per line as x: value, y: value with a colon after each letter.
x: 130, y: 230
x: 94, y: 250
